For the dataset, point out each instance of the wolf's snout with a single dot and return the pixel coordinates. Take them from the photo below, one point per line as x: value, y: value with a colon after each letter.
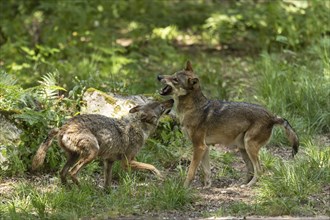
x: 167, y: 90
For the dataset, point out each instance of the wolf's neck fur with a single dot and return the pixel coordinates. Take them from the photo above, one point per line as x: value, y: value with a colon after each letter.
x: 141, y: 127
x: 193, y: 100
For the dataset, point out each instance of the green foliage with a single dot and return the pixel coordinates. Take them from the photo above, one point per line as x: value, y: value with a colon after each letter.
x: 292, y: 185
x: 297, y: 87
x: 8, y: 88
x: 236, y: 208
x: 117, y: 44
x: 269, y: 25
x: 288, y: 187
x: 226, y: 159
x: 167, y: 145
x: 32, y: 111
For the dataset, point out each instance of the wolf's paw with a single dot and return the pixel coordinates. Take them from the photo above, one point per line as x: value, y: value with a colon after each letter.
x: 250, y: 184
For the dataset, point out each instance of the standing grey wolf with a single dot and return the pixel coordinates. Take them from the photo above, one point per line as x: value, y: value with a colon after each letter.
x: 207, y: 122
x: 86, y: 137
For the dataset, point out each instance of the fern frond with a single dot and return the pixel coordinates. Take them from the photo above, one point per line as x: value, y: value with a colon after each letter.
x: 6, y: 79
x: 48, y: 87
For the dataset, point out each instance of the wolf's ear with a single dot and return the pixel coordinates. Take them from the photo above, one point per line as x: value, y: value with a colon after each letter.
x: 135, y: 109
x: 189, y: 66
x: 193, y: 81
x: 148, y: 118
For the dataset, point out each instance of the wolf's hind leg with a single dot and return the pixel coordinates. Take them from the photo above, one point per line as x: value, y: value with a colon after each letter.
x: 253, y: 155
x: 248, y: 163
x: 254, y: 139
x: 89, y: 151
x: 72, y: 158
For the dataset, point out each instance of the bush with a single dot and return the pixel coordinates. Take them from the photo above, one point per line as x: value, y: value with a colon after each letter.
x: 33, y: 111
x: 270, y: 25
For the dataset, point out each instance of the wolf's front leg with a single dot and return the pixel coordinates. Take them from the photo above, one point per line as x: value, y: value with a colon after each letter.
x: 198, y: 155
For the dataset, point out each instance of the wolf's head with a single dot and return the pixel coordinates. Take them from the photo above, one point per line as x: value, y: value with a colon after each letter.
x: 180, y: 83
x: 151, y: 112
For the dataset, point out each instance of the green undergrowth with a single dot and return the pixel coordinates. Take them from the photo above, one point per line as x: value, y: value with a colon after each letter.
x: 297, y: 88
x: 129, y: 198
x: 297, y: 187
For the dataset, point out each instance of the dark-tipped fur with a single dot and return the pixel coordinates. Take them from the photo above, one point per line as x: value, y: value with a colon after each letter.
x: 86, y: 137
x: 290, y: 133
x: 207, y: 122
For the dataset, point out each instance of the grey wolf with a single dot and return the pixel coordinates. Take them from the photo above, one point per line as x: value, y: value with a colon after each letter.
x: 88, y: 136
x: 208, y: 122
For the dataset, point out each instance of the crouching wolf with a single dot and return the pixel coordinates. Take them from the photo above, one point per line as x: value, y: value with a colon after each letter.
x: 86, y: 137
x: 207, y: 122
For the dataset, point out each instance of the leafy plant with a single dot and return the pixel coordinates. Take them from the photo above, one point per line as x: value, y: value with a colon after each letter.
x: 168, y: 145
x: 32, y: 110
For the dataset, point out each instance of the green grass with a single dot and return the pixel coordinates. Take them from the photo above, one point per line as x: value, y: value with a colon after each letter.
x: 29, y: 201
x: 224, y: 161
x: 235, y: 209
x: 293, y: 186
x: 298, y: 88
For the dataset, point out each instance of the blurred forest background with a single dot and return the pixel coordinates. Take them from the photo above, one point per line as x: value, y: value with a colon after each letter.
x: 275, y: 53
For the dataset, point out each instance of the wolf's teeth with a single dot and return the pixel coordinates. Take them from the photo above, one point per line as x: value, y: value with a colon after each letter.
x: 165, y: 90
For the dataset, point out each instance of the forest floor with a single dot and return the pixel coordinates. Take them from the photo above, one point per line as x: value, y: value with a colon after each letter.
x: 224, y: 193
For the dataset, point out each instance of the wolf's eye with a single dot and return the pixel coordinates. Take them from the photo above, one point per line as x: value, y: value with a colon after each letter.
x: 175, y: 80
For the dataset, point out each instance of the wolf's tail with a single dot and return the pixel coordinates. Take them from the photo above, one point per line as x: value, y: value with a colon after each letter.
x: 39, y: 158
x: 290, y: 133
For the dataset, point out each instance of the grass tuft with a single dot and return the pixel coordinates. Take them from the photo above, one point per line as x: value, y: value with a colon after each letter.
x: 171, y: 195
x: 292, y: 184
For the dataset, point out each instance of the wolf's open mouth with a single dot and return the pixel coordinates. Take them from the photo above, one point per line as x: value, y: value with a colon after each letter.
x: 166, y: 90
